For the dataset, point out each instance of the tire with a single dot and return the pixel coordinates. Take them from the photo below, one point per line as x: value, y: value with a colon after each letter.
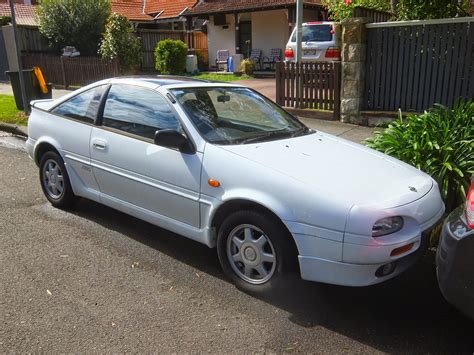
x: 55, y: 181
x: 240, y: 250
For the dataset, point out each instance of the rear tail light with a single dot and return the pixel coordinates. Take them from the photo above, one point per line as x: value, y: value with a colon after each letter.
x: 289, y: 53
x: 470, y: 207
x: 333, y: 52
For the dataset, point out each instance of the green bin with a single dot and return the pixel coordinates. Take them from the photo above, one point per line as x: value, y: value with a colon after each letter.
x: 32, y: 88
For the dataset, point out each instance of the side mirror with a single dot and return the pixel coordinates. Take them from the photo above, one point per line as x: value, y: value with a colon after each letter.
x: 170, y: 138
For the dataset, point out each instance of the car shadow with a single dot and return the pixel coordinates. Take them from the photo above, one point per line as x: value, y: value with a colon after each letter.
x: 407, y: 313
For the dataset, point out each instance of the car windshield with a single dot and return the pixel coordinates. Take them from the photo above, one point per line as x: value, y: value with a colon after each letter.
x: 233, y: 115
x: 315, y: 33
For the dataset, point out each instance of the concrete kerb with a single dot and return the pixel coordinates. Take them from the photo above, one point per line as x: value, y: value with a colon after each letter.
x: 14, y: 129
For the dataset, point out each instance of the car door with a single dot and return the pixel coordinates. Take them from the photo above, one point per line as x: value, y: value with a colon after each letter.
x: 131, y: 169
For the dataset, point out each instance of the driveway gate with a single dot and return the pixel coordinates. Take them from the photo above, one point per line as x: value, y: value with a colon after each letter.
x: 315, y: 85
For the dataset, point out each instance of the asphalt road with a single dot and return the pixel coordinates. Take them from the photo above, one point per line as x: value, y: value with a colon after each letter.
x: 94, y: 279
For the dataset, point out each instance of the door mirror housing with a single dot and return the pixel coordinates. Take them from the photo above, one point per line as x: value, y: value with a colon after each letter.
x: 170, y: 138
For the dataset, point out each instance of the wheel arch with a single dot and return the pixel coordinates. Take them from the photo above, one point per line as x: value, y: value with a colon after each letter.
x: 43, y: 146
x: 230, y: 206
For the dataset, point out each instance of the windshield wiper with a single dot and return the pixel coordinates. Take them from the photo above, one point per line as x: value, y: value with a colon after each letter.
x: 274, y: 134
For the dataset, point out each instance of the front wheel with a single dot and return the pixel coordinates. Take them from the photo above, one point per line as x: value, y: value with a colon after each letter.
x: 255, y: 251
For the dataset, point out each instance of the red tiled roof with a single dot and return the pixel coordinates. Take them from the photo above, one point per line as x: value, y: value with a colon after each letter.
x: 25, y: 14
x: 170, y: 8
x: 216, y: 6
x: 131, y: 9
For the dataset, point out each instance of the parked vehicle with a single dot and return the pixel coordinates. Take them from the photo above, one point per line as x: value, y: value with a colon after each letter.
x: 225, y: 166
x: 455, y: 257
x: 319, y: 42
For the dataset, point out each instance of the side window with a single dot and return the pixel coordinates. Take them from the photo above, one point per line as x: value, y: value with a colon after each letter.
x: 138, y: 111
x: 82, y: 107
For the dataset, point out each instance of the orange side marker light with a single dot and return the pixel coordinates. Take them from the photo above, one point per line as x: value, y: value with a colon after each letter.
x: 402, y: 250
x: 213, y: 183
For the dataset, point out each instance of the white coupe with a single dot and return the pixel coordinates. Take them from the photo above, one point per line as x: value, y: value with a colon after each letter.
x: 225, y: 166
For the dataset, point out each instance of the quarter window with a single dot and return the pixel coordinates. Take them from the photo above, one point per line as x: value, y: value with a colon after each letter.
x: 138, y: 111
x: 82, y: 107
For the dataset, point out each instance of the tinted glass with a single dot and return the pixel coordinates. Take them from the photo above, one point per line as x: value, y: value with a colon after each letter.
x: 236, y: 115
x: 315, y: 33
x: 82, y: 107
x: 138, y: 111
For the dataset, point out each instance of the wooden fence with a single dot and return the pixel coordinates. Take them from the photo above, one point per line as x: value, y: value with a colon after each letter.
x: 309, y: 85
x: 76, y: 71
x: 374, y: 15
x: 414, y: 64
x: 151, y: 37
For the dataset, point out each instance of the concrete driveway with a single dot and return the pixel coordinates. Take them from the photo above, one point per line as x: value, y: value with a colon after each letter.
x: 95, y: 280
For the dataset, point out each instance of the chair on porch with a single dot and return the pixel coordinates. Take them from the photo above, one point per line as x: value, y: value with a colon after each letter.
x: 222, y: 58
x: 276, y: 55
x: 256, y: 56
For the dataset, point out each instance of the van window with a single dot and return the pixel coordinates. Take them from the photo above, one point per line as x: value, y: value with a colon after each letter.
x: 315, y: 33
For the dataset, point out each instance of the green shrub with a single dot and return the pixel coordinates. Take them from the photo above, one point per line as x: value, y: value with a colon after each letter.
x: 247, y: 66
x: 120, y: 43
x: 439, y: 142
x: 170, y: 56
x: 73, y: 23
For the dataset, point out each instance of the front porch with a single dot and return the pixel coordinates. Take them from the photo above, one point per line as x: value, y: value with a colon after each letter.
x: 241, y: 26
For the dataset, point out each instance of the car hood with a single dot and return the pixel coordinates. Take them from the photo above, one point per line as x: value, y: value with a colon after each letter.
x: 342, y: 169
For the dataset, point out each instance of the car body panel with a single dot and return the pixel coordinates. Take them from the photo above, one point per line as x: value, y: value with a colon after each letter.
x: 328, y: 192
x: 455, y: 262
x: 161, y: 180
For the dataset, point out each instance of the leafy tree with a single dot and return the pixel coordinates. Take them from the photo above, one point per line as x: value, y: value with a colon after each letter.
x: 402, y: 9
x: 341, y: 9
x: 171, y: 56
x: 120, y: 43
x: 431, y: 9
x: 78, y: 23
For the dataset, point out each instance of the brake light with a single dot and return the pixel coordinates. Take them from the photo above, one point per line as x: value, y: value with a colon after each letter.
x: 470, y: 207
x: 332, y: 52
x: 289, y: 53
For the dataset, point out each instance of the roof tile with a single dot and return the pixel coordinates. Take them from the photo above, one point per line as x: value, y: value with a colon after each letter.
x: 25, y: 14
x: 216, y: 6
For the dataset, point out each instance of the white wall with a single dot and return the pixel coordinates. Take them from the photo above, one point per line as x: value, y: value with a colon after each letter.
x: 269, y: 30
x: 220, y: 38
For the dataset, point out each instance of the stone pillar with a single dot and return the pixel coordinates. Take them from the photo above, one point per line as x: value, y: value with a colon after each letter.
x: 353, y: 69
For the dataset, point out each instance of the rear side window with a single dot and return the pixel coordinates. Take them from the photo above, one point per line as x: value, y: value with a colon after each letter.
x: 138, y: 111
x: 315, y: 33
x: 82, y: 107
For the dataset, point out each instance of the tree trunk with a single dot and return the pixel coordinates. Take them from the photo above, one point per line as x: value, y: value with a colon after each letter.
x: 393, y: 6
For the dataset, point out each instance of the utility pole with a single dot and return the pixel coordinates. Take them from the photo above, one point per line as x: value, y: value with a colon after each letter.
x: 299, y: 30
x: 18, y: 57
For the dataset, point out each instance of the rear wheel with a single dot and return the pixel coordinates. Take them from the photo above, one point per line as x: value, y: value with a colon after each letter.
x: 255, y: 251
x: 55, y: 181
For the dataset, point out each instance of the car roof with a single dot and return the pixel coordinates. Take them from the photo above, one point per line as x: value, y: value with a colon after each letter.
x: 164, y: 80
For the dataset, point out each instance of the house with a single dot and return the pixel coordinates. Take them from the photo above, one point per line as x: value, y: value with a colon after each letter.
x: 242, y: 25
x: 158, y: 14
x: 25, y: 14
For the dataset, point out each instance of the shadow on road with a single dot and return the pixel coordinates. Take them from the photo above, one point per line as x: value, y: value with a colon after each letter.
x: 404, y: 314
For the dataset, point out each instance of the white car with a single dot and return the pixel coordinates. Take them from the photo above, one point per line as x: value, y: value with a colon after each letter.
x: 223, y: 165
x: 320, y: 42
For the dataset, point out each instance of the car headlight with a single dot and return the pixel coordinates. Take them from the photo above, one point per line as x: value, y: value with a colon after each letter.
x: 386, y: 226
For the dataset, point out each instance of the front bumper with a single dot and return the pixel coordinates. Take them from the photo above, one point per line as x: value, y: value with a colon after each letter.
x: 360, y: 260
x: 455, y: 264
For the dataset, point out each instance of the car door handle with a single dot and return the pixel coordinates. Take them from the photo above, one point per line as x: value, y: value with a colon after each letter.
x: 98, y: 144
